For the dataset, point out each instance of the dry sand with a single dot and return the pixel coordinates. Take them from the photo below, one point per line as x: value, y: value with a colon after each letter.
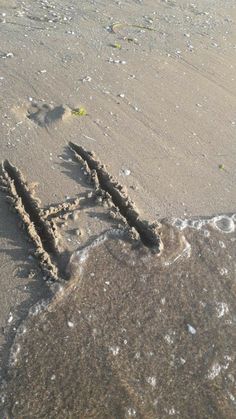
x: 160, y: 96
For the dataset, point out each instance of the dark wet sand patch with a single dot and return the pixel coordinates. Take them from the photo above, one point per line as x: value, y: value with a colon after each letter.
x: 134, y: 334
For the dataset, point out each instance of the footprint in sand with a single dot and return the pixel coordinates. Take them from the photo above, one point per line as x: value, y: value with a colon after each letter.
x: 45, y: 115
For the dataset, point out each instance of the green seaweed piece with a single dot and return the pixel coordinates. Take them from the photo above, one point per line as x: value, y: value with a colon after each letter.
x: 116, y: 45
x: 79, y: 112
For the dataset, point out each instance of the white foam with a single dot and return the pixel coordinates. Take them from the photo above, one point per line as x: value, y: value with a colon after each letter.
x: 114, y: 350
x: 231, y: 396
x: 79, y: 257
x: 131, y: 412
x: 222, y: 245
x: 223, y: 223
x: 172, y: 411
x: 222, y: 309
x: 179, y: 224
x: 217, y: 368
x: 223, y: 271
x: 214, y: 371
x: 152, y: 381
x: 169, y: 339
x: 186, y: 252
x: 196, y: 224
x: 14, y: 354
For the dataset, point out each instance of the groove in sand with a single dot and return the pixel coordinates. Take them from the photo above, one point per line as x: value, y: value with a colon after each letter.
x: 148, y: 232
x: 41, y: 232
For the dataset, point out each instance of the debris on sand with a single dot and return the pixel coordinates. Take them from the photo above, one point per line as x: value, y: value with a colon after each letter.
x: 116, y: 45
x: 79, y: 111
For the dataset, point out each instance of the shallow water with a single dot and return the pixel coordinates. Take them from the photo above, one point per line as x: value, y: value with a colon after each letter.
x: 135, y: 334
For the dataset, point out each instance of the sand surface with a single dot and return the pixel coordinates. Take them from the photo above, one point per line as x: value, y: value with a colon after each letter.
x: 159, y: 91
x: 144, y: 337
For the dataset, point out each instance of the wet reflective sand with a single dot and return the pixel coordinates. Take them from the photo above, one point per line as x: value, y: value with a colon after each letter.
x: 134, y: 334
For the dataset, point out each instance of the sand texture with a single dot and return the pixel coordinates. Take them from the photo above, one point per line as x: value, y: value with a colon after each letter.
x: 117, y: 208
x: 134, y: 334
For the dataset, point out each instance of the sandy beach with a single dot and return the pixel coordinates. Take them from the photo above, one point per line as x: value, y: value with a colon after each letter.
x: 148, y: 89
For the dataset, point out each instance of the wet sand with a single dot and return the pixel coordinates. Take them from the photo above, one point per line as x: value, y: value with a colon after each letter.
x: 134, y: 334
x: 154, y: 97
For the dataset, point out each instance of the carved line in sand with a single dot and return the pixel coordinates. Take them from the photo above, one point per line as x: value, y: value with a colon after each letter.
x: 103, y: 181
x: 39, y: 222
x: 39, y: 231
x: 42, y: 231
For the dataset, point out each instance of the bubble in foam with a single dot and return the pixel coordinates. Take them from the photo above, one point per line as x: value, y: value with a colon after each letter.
x: 179, y: 224
x: 222, y: 245
x: 223, y: 223
x: 197, y: 224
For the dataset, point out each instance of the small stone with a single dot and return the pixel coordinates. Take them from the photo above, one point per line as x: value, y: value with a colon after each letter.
x: 191, y: 329
x: 127, y: 172
x: 90, y: 194
x: 79, y: 232
x: 75, y: 215
x: 87, y: 79
x: 10, y: 318
x: 152, y: 381
x: 114, y: 350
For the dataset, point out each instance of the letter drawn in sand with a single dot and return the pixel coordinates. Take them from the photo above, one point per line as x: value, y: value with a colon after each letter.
x: 143, y: 331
